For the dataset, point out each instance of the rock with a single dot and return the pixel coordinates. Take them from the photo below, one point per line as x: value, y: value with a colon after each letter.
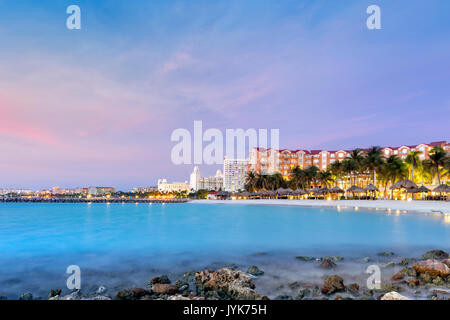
x: 178, y: 297
x: 333, y: 284
x: 435, y: 255
x: 327, y: 264
x: 305, y: 258
x: 446, y: 262
x: 303, y: 293
x: 393, y: 296
x: 255, y: 271
x: 54, y: 298
x: 164, y: 288
x: 132, y: 294
x: 294, y: 285
x: 97, y: 297
x: 26, y: 296
x: 353, y: 288
x: 365, y: 259
x: 387, y: 287
x: 101, y: 290
x: 283, y: 297
x: 164, y: 279
x: 385, y: 254
x: 189, y: 276
x: 433, y: 267
x: 438, y: 281
x: 227, y: 284
x: 54, y: 292
x: 407, y: 261
x: 182, y: 286
x: 397, y: 276
x: 413, y: 283
x: 333, y: 258
x: 76, y: 295
x: 388, y: 265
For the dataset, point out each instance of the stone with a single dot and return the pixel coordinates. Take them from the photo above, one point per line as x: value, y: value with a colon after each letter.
x: 385, y: 254
x: 446, y: 262
x: 54, y: 292
x: 182, y: 286
x: 97, y: 297
x: 305, y: 258
x: 164, y: 279
x: 413, y: 283
x: 227, y: 284
x: 327, y: 264
x: 432, y: 267
x: 26, y: 296
x: 393, y: 296
x: 407, y: 261
x: 101, y: 290
x: 388, y: 265
x: 438, y: 281
x: 435, y: 255
x: 353, y: 288
x: 303, y: 293
x: 132, y: 294
x: 333, y: 258
x: 255, y: 271
x: 397, y: 276
x: 365, y: 260
x: 76, y: 295
x: 333, y: 284
x: 164, y: 288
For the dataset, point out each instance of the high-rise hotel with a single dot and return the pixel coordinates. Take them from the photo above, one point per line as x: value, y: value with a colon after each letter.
x: 269, y: 161
x: 234, y: 174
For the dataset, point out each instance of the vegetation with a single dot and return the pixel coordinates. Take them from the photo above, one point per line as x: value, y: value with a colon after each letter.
x: 360, y: 169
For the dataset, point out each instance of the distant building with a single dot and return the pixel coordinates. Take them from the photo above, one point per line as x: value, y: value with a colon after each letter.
x: 198, y: 182
x: 234, y: 173
x: 99, y: 191
x: 144, y: 189
x: 163, y: 186
x: 15, y: 191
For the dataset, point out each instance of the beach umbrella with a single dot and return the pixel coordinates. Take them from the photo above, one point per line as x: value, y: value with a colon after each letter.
x: 370, y: 187
x: 404, y: 184
x: 355, y: 189
x: 336, y: 190
x: 442, y: 188
x: 423, y: 189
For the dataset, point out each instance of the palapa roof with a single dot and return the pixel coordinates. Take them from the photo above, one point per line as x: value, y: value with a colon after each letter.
x: 442, y: 188
x: 406, y: 184
x: 336, y: 190
x: 355, y: 189
x: 371, y: 187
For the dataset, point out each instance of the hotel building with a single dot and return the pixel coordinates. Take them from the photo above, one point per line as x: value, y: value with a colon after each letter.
x: 144, y: 189
x: 234, y: 173
x: 163, y: 186
x: 100, y: 191
x: 269, y: 161
x: 198, y: 182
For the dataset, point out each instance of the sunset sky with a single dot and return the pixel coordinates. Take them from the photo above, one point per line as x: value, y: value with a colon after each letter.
x: 97, y: 106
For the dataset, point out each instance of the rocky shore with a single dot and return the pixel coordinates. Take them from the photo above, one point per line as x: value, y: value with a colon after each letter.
x: 91, y: 200
x: 424, y: 277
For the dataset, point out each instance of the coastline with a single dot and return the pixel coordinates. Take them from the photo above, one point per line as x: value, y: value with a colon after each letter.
x: 414, y: 205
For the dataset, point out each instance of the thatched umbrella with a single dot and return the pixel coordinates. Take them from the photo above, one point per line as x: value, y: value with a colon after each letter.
x: 300, y: 192
x: 442, y: 188
x: 372, y: 189
x: 423, y: 189
x: 336, y: 190
x: 355, y: 189
x: 404, y: 184
x: 223, y: 194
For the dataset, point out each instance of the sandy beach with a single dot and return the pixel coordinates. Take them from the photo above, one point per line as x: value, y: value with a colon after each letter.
x: 418, y: 206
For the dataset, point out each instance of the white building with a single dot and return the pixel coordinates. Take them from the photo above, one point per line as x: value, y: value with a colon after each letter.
x: 198, y: 182
x: 234, y: 172
x: 163, y: 186
x: 100, y: 191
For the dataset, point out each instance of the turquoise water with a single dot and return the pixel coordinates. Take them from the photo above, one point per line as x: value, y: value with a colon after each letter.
x: 126, y: 243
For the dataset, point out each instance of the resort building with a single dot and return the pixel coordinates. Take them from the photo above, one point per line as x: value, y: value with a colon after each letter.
x: 100, y: 191
x: 269, y: 161
x: 163, y: 186
x: 198, y: 182
x: 234, y: 171
x: 144, y: 189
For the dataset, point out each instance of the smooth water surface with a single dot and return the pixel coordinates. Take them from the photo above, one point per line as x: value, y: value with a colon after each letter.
x: 128, y: 242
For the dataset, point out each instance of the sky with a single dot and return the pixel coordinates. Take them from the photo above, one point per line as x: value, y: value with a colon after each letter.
x: 97, y: 106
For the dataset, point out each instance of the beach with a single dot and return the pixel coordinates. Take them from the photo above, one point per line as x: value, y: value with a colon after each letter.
x: 414, y: 205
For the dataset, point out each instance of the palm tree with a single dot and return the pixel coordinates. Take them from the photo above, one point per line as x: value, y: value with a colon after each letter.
x: 394, y: 170
x: 311, y: 175
x: 325, y: 177
x: 438, y: 158
x: 251, y: 181
x: 373, y: 161
x: 261, y: 181
x: 414, y: 161
x: 349, y: 166
x: 298, y: 178
x: 357, y: 156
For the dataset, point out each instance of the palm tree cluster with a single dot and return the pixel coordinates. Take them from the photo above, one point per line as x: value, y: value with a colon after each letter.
x: 361, y: 168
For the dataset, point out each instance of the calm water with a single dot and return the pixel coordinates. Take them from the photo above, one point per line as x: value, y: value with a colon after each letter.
x: 124, y: 244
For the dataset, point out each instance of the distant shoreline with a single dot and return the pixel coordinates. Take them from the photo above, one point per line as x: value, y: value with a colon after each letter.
x: 415, y: 205
x: 92, y: 200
